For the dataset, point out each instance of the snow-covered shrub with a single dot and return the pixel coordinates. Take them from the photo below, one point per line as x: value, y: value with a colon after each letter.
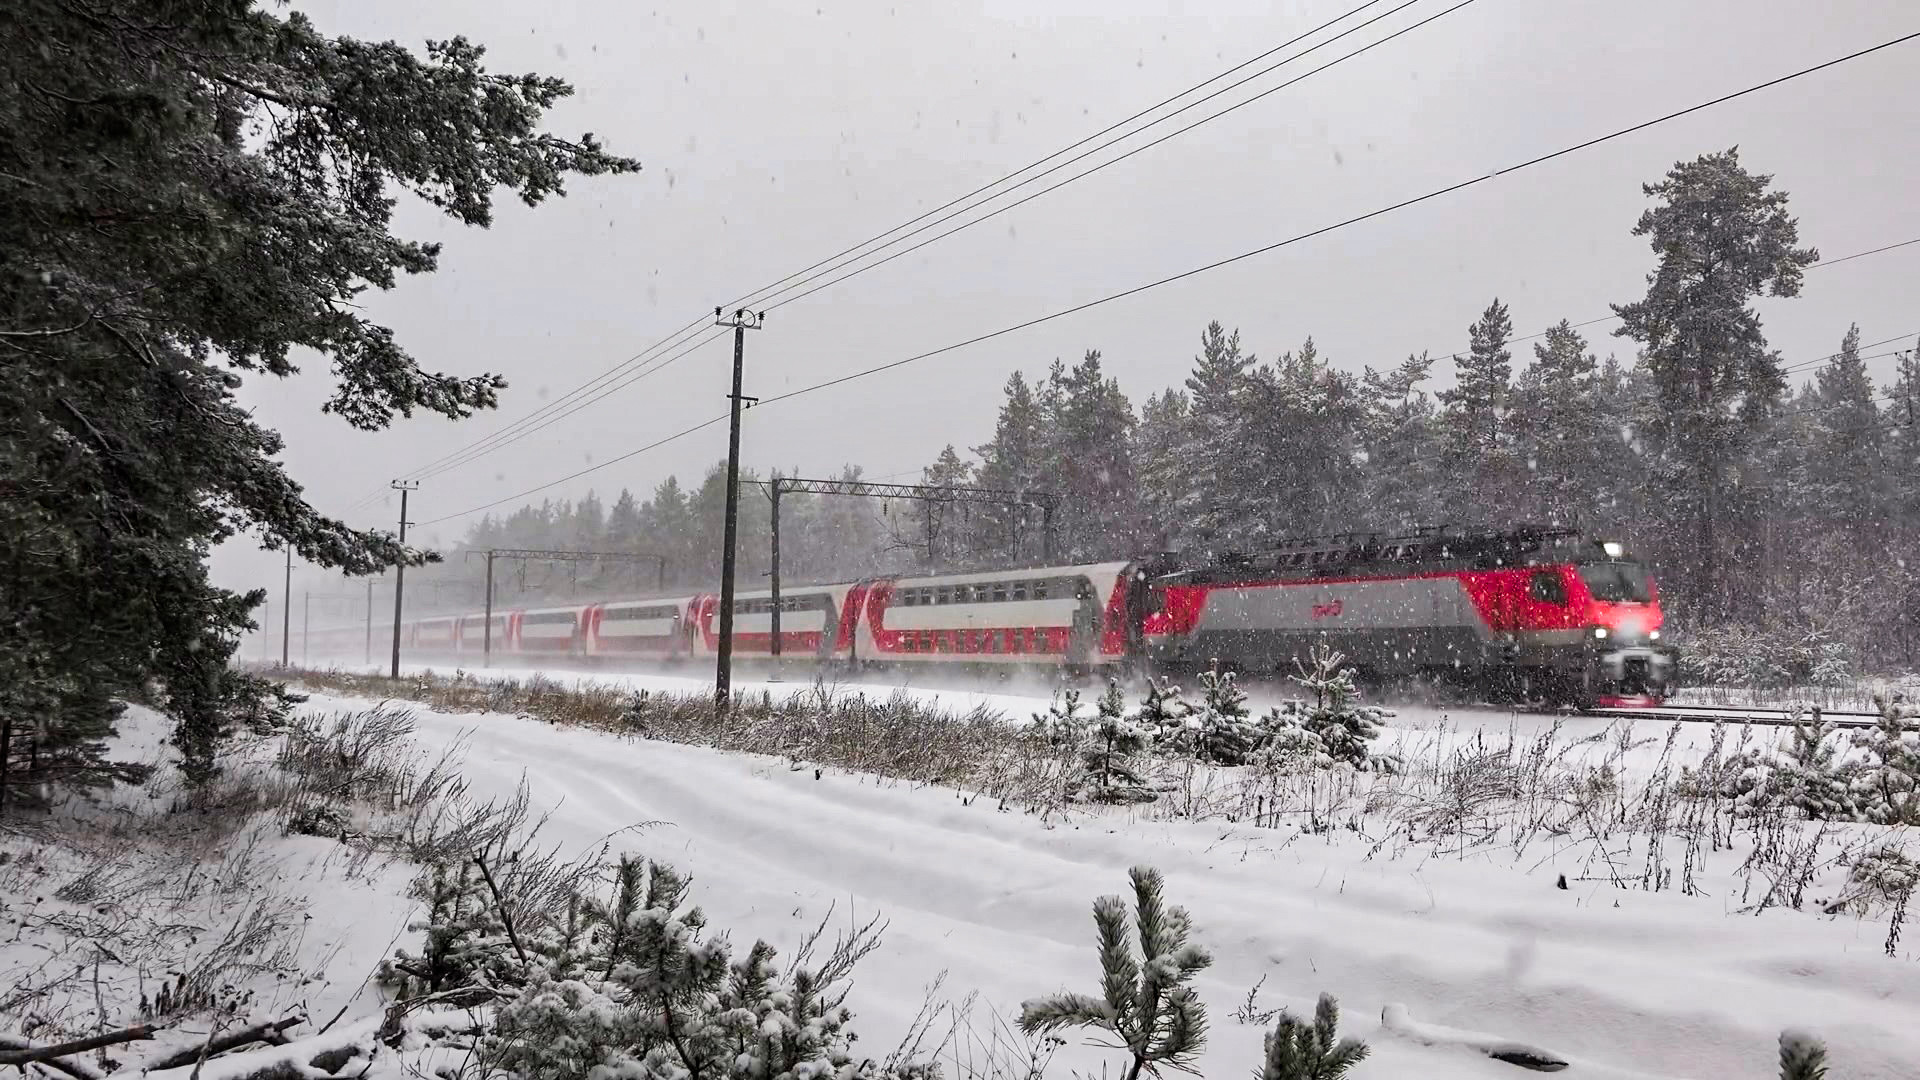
x: 466, y: 941
x: 1334, y: 725
x: 1297, y: 1050
x: 1802, y: 1057
x: 629, y: 986
x: 1806, y: 773
x: 1221, y: 731
x: 1887, y: 786
x: 1880, y: 878
x: 1145, y: 1000
x: 1062, y: 725
x: 1111, y: 751
x: 1166, y: 713
x: 1750, y: 657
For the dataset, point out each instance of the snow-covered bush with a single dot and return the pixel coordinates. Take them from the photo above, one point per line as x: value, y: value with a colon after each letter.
x: 1802, y: 1057
x: 1111, y: 751
x: 1806, y: 773
x: 1165, y: 713
x: 1743, y: 656
x: 1145, y: 1000
x: 1331, y: 729
x: 466, y: 941
x: 1062, y: 725
x: 1297, y: 1050
x: 1887, y: 786
x: 629, y: 986
x: 1221, y: 731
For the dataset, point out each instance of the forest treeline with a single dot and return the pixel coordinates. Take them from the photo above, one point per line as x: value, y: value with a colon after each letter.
x: 1770, y: 494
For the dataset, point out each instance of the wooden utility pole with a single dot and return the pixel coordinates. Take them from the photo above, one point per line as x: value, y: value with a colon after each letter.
x: 286, y: 606
x: 400, y: 568
x: 741, y: 322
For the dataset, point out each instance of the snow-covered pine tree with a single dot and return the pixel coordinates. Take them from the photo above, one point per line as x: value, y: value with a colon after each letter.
x: 1345, y: 728
x: 1802, y: 1057
x: 1809, y: 773
x: 1723, y: 236
x: 1111, y: 752
x: 1297, y: 1050
x: 1145, y: 1000
x: 466, y: 941
x: 1168, y: 715
x: 1062, y: 725
x: 674, y: 1006
x: 1477, y: 440
x: 1887, y: 788
x: 1224, y: 733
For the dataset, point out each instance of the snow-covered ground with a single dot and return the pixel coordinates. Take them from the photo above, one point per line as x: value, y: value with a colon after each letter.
x: 1621, y: 981
x: 118, y: 894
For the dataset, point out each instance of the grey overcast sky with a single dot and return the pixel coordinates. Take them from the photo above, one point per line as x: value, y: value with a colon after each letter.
x: 775, y: 134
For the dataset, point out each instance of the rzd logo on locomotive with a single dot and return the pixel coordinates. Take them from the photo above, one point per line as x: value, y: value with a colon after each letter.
x: 1326, y: 611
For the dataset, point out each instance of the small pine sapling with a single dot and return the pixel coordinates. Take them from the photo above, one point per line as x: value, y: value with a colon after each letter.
x: 1888, y: 787
x: 1346, y: 729
x: 1145, y: 1001
x: 1112, y: 750
x: 1810, y: 774
x: 467, y: 943
x: 1297, y: 1050
x: 1225, y: 734
x: 1168, y: 716
x: 1802, y: 1057
x: 1062, y: 724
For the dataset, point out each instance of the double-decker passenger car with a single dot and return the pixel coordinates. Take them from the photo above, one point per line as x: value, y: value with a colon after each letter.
x: 1540, y: 614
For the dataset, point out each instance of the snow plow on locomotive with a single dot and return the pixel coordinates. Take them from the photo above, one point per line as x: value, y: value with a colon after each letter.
x: 1542, y: 616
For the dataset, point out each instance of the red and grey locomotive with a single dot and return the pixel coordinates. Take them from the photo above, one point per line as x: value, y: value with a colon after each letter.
x: 1544, y: 615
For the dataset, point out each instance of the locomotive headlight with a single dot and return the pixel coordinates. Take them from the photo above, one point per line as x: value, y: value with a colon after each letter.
x: 1613, y: 548
x: 1653, y: 635
x: 1599, y: 631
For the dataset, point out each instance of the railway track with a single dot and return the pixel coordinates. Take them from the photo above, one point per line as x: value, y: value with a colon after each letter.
x: 1709, y: 714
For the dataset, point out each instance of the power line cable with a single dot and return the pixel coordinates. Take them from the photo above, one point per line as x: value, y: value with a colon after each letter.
x: 657, y: 367
x: 1230, y: 260
x: 752, y: 297
x: 670, y: 341
x: 1355, y: 220
x: 1115, y: 161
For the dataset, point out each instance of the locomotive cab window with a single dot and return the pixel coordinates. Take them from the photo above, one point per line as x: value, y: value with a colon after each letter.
x: 1548, y: 588
x: 1617, y: 582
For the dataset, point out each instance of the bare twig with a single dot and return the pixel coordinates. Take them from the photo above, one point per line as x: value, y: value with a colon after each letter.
x: 29, y: 1055
x: 255, y: 1033
x: 506, y: 917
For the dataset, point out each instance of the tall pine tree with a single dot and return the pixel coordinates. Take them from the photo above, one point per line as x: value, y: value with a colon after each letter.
x: 1723, y: 237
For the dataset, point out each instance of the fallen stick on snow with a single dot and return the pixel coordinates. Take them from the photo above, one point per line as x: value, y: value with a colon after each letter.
x: 256, y: 1033
x: 1394, y: 1018
x: 27, y: 1055
x: 75, y: 1069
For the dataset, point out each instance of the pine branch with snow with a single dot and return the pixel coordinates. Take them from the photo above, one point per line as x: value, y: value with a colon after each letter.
x: 1297, y: 1050
x: 1145, y: 1000
x: 1802, y: 1057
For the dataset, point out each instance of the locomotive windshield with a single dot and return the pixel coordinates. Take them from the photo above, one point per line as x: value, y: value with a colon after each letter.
x: 1617, y: 582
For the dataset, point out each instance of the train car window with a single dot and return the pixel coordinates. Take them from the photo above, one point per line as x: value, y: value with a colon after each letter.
x: 1000, y: 593
x: 1547, y: 587
x: 1018, y: 590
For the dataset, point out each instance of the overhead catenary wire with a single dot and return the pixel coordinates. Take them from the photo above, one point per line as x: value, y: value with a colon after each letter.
x: 658, y: 366
x: 752, y: 298
x: 485, y: 445
x: 1113, y: 161
x: 1228, y: 261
